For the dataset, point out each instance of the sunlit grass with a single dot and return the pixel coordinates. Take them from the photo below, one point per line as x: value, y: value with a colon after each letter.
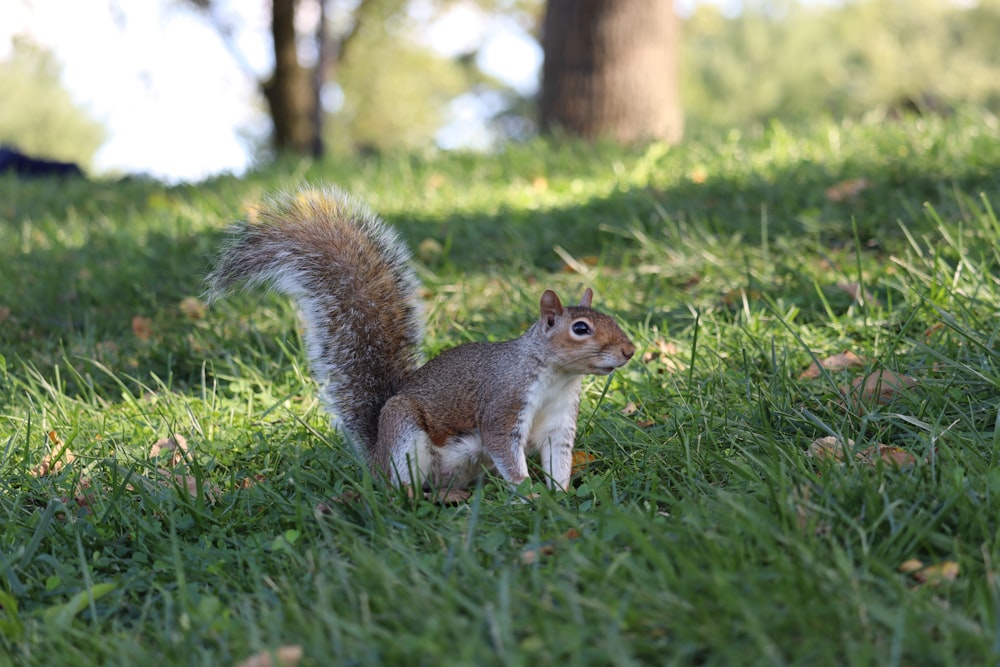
x: 701, y: 533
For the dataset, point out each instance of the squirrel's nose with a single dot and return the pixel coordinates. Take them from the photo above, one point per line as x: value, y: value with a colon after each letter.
x: 628, y: 351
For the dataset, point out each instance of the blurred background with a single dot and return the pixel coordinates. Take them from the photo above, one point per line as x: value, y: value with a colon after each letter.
x: 185, y: 89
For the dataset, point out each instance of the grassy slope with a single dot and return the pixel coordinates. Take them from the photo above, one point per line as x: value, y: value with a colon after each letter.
x: 700, y: 534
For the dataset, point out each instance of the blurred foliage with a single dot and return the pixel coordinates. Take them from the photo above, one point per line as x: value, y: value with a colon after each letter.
x: 395, y: 90
x: 791, y: 60
x: 38, y: 115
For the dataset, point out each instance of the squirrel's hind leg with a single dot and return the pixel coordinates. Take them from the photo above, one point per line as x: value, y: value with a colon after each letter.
x: 402, y: 452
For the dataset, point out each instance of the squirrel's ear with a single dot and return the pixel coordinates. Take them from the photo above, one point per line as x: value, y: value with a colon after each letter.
x: 551, y: 307
x: 588, y: 298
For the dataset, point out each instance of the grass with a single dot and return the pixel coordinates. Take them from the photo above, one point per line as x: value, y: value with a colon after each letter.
x: 701, y: 533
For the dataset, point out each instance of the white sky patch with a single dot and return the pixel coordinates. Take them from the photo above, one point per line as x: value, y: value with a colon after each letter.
x: 178, y: 105
x: 174, y: 102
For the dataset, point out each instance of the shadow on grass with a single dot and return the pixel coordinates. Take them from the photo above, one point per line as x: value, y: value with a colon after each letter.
x: 101, y: 254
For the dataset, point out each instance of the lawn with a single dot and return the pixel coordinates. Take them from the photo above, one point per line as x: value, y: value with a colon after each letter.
x: 706, y: 525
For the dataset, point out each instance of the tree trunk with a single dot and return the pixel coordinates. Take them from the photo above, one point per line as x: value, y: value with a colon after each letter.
x: 289, y: 91
x: 611, y: 70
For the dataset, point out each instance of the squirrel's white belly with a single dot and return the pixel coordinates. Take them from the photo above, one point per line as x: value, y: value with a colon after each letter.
x: 461, y: 460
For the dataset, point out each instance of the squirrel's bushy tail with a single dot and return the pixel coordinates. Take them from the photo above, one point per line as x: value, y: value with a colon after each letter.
x: 348, y: 274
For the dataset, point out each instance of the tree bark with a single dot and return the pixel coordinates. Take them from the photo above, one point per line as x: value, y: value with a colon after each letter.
x: 289, y: 91
x: 611, y: 70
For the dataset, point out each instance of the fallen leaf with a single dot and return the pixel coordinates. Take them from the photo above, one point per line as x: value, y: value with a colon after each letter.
x: 58, y: 456
x: 881, y: 386
x: 192, y: 308
x: 142, y: 327
x: 252, y: 481
x: 630, y: 409
x: 530, y: 556
x: 896, y: 456
x: 837, y: 362
x: 176, y: 445
x: 666, y: 353
x: 284, y: 656
x: 829, y: 448
x: 581, y: 460
x: 934, y: 328
x: 932, y: 575
x: 846, y: 190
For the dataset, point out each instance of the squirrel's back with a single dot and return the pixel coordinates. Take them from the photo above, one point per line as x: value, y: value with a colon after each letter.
x: 348, y: 274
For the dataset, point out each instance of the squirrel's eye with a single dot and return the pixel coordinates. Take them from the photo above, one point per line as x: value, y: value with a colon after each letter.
x: 581, y: 328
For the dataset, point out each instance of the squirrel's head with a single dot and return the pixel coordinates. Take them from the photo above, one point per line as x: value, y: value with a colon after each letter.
x: 582, y: 340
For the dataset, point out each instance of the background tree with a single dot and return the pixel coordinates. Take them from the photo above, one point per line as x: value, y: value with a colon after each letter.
x: 367, y: 82
x: 611, y: 69
x: 289, y: 91
x: 38, y: 115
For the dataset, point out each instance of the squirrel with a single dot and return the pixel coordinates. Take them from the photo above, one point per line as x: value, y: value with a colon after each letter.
x: 439, y: 425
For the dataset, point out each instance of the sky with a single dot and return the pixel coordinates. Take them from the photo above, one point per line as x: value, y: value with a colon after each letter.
x: 177, y: 104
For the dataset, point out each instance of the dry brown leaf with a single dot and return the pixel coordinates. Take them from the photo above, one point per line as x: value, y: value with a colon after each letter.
x: 847, y: 190
x: 931, y: 575
x: 58, y: 456
x: 529, y: 556
x: 192, y: 308
x: 630, y: 409
x: 934, y: 328
x: 881, y: 386
x: 284, y: 656
x: 176, y: 445
x: 252, y: 481
x: 837, y: 362
x: 829, y: 448
x: 896, y: 456
x: 666, y: 353
x: 581, y: 460
x: 142, y: 327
